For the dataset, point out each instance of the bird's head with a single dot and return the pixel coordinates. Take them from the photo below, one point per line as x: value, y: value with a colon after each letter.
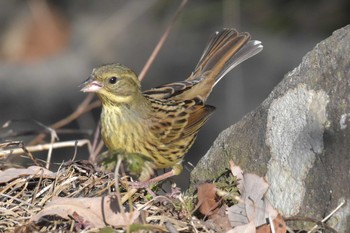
x: 113, y: 83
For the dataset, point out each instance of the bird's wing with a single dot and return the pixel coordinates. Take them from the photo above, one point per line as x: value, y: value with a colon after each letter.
x: 169, y: 91
x: 177, y: 120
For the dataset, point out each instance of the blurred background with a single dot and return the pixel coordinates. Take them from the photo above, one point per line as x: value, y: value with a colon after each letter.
x: 47, y: 48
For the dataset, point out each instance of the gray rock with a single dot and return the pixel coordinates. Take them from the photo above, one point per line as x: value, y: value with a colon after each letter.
x: 299, y: 137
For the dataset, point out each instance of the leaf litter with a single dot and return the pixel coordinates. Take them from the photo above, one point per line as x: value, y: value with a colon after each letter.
x: 80, y: 197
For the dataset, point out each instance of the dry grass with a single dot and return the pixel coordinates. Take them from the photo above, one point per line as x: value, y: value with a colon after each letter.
x: 24, y: 196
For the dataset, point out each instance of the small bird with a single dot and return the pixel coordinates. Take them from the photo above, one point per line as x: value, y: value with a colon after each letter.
x: 162, y: 123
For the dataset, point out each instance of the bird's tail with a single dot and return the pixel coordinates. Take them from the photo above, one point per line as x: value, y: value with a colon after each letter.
x: 225, y: 50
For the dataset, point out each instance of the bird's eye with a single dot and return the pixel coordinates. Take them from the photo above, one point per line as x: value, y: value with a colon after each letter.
x: 112, y: 80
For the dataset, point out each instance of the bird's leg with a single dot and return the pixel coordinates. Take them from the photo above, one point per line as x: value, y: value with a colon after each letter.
x: 137, y: 164
x: 176, y: 170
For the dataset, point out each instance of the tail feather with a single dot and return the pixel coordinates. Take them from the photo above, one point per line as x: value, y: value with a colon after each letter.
x: 225, y: 50
x: 249, y: 50
x: 215, y: 43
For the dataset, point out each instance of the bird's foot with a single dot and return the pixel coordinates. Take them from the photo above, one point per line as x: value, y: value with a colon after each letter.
x: 147, y: 183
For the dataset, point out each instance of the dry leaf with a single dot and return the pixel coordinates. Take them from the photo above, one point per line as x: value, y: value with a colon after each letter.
x: 207, y: 198
x: 219, y: 220
x: 237, y: 172
x: 35, y: 171
x: 95, y: 212
x: 278, y: 223
x: 253, y: 207
x: 80, y: 222
x: 247, y: 228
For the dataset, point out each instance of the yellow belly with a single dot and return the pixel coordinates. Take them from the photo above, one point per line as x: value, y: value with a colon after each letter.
x: 132, y: 135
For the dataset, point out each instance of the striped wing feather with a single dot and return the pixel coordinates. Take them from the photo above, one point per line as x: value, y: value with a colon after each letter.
x: 197, y: 119
x: 177, y: 120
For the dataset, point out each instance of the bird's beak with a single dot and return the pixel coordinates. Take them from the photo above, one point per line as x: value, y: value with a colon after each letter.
x: 90, y: 85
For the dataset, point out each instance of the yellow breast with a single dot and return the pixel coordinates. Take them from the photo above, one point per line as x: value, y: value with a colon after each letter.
x: 123, y: 130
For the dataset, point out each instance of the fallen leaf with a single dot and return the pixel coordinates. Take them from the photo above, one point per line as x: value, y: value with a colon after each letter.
x: 35, y: 171
x: 237, y: 172
x: 207, y: 198
x: 219, y: 221
x: 96, y: 212
x: 278, y: 223
x: 253, y: 207
x: 246, y: 228
x: 80, y: 222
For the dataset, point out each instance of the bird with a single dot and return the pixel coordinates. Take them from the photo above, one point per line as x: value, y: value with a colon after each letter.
x: 161, y: 124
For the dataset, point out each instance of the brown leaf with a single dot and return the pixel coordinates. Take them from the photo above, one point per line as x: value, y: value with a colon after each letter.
x: 80, y: 222
x: 207, y: 198
x: 219, y: 221
x: 35, y: 171
x: 278, y: 223
x: 96, y: 212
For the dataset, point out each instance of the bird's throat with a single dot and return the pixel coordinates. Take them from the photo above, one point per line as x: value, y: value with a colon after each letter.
x: 123, y: 124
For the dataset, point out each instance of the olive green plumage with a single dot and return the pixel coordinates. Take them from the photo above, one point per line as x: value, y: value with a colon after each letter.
x: 162, y: 123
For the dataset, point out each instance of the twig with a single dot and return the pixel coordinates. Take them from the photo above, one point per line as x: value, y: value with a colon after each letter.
x: 96, y: 145
x: 128, y: 195
x: 49, y: 129
x: 12, y: 134
x: 116, y: 180
x: 47, y: 146
x: 272, y: 226
x: 52, y: 141
x: 96, y: 137
x: 25, y: 149
x: 328, y: 216
x: 95, y: 152
x: 28, y: 132
x: 118, y: 194
x: 43, y: 190
x: 75, y: 150
x: 101, y: 35
x: 11, y: 143
x: 161, y: 41
x: 84, y: 107
x: 36, y: 190
x: 17, y: 199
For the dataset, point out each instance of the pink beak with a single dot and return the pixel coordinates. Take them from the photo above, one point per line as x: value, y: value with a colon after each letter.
x: 91, y: 85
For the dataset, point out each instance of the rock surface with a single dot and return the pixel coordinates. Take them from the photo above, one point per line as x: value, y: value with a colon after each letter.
x: 299, y: 137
